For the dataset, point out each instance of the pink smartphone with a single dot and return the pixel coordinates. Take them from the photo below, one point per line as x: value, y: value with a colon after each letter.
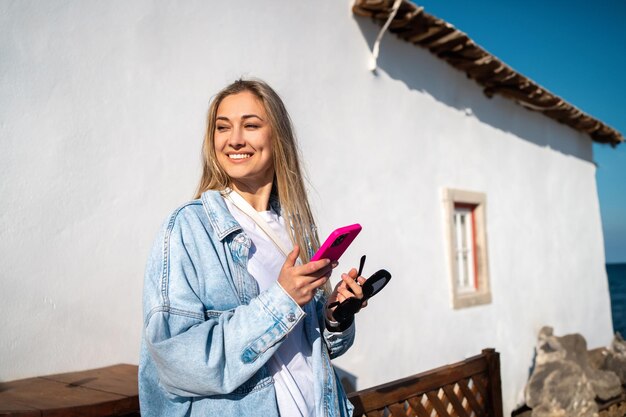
x: 337, y: 243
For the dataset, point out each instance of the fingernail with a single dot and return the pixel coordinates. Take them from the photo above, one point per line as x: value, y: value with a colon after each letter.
x: 335, y: 264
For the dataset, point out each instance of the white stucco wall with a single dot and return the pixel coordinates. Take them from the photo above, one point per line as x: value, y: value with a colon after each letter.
x: 102, y: 111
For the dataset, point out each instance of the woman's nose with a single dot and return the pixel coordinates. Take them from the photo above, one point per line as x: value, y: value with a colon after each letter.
x: 236, y: 138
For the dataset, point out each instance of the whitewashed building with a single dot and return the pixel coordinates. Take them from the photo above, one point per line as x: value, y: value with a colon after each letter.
x: 485, y: 213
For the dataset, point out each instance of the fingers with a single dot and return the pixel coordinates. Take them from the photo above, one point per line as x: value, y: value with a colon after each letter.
x: 352, y: 284
x: 302, y: 281
x: 348, y: 287
x: 343, y: 294
x: 312, y: 270
x: 306, y: 292
x: 313, y: 267
x: 292, y: 257
x: 314, y: 285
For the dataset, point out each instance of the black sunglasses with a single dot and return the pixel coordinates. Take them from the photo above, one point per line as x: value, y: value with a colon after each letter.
x: 372, y: 286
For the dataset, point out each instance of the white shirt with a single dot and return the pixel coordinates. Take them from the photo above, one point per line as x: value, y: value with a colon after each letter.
x: 291, y: 364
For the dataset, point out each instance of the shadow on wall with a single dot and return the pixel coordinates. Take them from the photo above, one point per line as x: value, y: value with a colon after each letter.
x: 421, y: 70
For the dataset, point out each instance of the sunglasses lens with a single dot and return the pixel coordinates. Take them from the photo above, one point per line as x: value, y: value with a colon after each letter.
x: 375, y: 283
x: 378, y: 285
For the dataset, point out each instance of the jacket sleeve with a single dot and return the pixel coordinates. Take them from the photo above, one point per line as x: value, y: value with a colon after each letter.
x: 338, y: 342
x: 198, y: 351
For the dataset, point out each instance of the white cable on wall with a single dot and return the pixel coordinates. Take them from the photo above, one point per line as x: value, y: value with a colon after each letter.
x: 376, y: 47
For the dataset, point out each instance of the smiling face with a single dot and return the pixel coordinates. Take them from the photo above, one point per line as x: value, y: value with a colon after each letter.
x: 243, y: 141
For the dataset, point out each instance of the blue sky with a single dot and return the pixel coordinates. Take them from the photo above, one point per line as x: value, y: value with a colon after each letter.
x: 577, y: 50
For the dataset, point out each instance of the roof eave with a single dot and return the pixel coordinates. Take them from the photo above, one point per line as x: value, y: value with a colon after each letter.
x: 413, y: 25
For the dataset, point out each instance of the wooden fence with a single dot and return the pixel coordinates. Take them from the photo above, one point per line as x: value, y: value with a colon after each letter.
x: 470, y: 388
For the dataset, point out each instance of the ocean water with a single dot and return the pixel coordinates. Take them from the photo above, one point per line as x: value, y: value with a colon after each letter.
x: 617, y: 288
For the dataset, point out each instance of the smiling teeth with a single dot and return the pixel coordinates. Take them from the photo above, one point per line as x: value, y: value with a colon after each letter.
x: 239, y: 156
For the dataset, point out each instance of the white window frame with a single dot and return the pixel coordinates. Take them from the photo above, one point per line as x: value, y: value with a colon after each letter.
x: 466, y: 241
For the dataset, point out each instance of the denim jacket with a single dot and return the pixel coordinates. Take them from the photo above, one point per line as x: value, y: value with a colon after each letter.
x: 209, y: 333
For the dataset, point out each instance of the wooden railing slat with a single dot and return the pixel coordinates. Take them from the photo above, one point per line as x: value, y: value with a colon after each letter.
x: 397, y: 410
x: 495, y: 382
x: 469, y: 396
x: 433, y: 397
x: 458, y: 407
x: 417, y: 406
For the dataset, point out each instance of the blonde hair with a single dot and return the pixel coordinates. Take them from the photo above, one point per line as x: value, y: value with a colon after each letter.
x: 288, y: 185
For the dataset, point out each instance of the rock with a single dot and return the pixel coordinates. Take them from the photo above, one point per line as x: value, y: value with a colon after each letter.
x: 617, y: 365
x: 597, y: 357
x: 606, y: 384
x: 536, y: 384
x: 575, y: 347
x: 566, y: 392
x: 548, y: 349
x: 565, y: 381
x: 615, y: 358
x: 619, y: 345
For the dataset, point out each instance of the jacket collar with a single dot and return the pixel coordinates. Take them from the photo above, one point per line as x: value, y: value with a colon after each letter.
x: 220, y: 218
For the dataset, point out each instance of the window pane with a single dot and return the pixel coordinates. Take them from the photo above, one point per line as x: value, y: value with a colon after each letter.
x: 464, y: 248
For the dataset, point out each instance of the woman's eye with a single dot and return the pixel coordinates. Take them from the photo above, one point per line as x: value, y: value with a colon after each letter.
x: 252, y: 126
x: 221, y: 128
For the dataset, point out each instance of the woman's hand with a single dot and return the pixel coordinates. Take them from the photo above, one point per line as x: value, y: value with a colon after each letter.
x: 301, y: 281
x: 342, y: 291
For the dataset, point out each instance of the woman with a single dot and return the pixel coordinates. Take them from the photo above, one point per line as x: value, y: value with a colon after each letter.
x: 233, y: 326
